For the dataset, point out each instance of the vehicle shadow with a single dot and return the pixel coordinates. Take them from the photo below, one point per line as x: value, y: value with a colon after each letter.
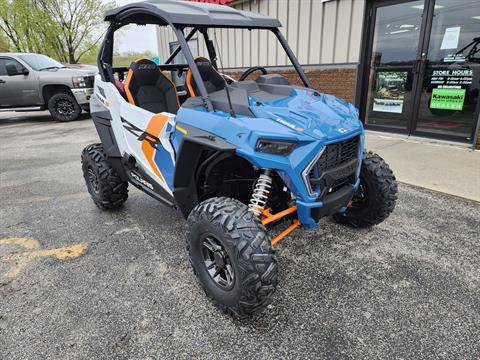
x: 8, y: 118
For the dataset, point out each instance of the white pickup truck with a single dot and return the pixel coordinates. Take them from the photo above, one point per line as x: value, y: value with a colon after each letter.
x: 30, y: 82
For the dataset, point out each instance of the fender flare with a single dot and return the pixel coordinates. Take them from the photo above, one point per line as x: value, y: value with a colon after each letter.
x: 189, y: 161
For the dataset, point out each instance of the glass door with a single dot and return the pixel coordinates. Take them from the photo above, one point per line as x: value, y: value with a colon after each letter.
x: 450, y: 78
x: 395, y: 45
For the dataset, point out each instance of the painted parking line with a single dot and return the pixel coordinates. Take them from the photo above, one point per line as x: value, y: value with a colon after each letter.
x: 34, y: 251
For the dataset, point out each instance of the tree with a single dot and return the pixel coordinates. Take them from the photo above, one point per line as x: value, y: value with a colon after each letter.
x: 3, y: 43
x: 64, y: 29
x: 17, y: 19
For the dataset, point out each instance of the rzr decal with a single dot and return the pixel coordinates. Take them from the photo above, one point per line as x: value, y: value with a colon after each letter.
x: 141, y: 135
x: 149, y: 139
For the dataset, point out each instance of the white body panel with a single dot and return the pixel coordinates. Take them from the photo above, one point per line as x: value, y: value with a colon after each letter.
x: 131, y: 142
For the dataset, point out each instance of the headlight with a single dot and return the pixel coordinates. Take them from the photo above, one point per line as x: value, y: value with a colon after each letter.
x: 277, y: 147
x: 79, y: 82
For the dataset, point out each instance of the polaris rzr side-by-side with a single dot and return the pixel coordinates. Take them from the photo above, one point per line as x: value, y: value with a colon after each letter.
x: 246, y: 162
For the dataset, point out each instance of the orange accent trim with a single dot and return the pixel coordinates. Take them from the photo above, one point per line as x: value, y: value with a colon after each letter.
x: 129, y: 79
x: 127, y: 87
x: 266, y: 212
x: 276, y: 239
x: 189, y: 77
x: 154, y: 127
x: 270, y: 217
x: 189, y: 84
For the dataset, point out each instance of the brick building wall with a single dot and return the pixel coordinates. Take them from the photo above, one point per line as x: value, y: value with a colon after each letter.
x: 338, y: 82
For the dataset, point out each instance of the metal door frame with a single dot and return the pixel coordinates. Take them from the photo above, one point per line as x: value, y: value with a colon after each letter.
x: 419, y: 70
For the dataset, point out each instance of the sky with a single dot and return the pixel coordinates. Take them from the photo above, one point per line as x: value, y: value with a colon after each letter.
x: 136, y: 38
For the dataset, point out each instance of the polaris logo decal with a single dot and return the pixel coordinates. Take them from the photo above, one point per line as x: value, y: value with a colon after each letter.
x: 141, y: 180
x: 287, y: 124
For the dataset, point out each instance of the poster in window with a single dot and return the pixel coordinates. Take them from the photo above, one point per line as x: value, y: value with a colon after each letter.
x: 390, y: 91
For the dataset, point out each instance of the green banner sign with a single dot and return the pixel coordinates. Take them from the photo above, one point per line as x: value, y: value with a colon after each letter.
x: 447, y: 99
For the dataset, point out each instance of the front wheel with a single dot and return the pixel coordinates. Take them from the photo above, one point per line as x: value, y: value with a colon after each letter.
x: 376, y: 196
x: 64, y: 107
x: 231, y: 256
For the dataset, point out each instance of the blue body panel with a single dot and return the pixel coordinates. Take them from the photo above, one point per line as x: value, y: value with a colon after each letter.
x: 312, y: 120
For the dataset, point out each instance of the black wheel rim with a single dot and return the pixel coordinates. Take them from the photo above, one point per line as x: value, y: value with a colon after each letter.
x: 217, y: 262
x: 64, y: 107
x: 93, y: 179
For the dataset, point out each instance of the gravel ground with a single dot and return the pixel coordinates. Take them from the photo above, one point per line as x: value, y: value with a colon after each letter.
x: 408, y: 288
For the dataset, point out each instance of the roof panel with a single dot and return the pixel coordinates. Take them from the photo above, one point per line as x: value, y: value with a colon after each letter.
x: 190, y: 13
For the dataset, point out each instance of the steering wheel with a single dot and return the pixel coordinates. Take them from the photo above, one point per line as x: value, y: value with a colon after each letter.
x: 252, y: 70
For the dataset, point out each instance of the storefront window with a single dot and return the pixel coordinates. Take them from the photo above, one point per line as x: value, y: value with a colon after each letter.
x: 449, y: 97
x: 394, y: 51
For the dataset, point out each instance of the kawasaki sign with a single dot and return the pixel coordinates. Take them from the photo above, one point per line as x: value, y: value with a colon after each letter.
x: 447, y: 99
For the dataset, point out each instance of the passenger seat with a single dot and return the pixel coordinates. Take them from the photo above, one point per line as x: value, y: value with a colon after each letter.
x: 211, y: 78
x: 147, y: 87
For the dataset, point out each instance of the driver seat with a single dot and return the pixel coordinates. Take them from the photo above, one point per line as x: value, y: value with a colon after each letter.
x: 211, y: 78
x: 147, y: 87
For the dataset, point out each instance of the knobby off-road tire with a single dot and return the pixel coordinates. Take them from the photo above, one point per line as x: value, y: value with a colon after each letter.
x: 64, y: 107
x: 242, y: 241
x: 376, y: 197
x: 108, y: 191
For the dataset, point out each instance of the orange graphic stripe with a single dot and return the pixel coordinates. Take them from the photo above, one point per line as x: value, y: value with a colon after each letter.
x: 127, y: 87
x: 154, y: 127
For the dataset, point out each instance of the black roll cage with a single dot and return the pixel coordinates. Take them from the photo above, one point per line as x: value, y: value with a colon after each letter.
x: 105, y: 55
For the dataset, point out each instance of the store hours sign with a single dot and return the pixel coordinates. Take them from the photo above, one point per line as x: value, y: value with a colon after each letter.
x: 452, y: 77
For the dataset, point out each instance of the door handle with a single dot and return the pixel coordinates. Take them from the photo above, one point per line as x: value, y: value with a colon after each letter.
x: 2, y: 81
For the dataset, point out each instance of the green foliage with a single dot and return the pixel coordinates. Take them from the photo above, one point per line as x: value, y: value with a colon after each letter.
x: 67, y: 30
x: 90, y: 57
x: 125, y: 59
x: 3, y: 43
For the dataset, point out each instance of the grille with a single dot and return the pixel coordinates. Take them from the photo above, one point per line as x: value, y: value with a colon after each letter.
x: 338, y: 153
x: 333, y: 156
x: 89, y: 81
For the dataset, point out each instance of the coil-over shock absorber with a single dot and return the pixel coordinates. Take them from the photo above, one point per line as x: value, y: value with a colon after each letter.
x: 261, y: 191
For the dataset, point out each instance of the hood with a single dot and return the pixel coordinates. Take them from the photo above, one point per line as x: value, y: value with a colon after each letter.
x: 321, y: 116
x: 69, y: 72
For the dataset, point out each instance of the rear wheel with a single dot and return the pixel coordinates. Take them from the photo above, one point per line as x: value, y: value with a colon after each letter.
x: 106, y: 188
x: 231, y: 256
x: 64, y: 107
x: 376, y: 196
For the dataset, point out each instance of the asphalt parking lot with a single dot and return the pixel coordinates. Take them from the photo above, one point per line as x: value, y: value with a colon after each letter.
x: 78, y: 283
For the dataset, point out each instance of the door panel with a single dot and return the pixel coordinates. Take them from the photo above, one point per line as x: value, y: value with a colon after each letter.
x: 393, y: 64
x: 17, y: 90
x: 451, y: 80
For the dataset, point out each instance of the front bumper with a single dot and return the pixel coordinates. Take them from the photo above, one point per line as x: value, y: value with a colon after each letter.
x: 331, y: 186
x: 82, y: 95
x: 310, y: 212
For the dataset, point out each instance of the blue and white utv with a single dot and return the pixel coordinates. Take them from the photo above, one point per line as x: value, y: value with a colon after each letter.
x: 245, y: 161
